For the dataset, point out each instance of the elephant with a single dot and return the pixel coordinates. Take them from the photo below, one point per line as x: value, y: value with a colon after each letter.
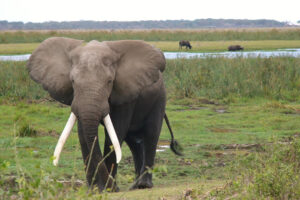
x: 235, y: 48
x: 117, y: 84
x: 185, y: 43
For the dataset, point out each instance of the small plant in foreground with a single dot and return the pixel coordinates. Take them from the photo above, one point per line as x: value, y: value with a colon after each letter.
x: 273, y: 174
x: 27, y: 131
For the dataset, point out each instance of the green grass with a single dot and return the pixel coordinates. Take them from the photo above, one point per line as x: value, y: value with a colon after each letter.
x: 202, y: 130
x: 15, y: 83
x: 227, y: 79
x: 156, y: 35
x: 17, y: 48
x: 270, y: 174
x: 215, y: 106
x: 197, y: 46
x: 221, y: 79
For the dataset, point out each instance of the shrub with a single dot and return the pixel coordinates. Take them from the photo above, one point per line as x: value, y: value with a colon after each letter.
x: 26, y: 131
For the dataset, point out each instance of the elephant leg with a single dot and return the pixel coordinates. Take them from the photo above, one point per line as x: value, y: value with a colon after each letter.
x: 136, y: 145
x: 121, y: 117
x: 144, y: 150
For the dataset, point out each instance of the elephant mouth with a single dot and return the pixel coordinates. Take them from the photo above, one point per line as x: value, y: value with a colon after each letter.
x: 68, y: 128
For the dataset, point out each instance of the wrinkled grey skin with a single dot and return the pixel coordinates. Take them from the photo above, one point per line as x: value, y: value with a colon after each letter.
x: 122, y: 78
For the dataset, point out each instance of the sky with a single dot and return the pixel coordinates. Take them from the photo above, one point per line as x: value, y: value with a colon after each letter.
x: 136, y: 10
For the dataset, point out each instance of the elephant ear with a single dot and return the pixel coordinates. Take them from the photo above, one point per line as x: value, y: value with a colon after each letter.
x: 139, y: 66
x: 50, y: 65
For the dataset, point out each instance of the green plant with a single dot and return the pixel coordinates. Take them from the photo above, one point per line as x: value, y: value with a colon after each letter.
x: 154, y: 35
x: 271, y: 174
x: 26, y: 131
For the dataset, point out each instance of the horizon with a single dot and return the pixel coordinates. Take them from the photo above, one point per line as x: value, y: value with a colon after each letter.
x: 147, y: 20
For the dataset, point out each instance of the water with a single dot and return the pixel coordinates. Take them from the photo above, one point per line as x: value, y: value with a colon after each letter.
x: 15, y: 57
x: 174, y: 55
x: 243, y: 54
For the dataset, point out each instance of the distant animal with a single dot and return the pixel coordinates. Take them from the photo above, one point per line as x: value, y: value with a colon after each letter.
x: 235, y: 48
x: 185, y: 43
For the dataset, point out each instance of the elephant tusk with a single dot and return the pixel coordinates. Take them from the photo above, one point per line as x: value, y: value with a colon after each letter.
x: 63, y: 138
x: 113, y: 137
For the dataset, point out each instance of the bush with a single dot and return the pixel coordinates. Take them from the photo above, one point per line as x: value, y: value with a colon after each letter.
x: 272, y: 174
x: 26, y: 131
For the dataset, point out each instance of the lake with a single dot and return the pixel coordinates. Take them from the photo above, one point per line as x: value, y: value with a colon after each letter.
x: 188, y: 55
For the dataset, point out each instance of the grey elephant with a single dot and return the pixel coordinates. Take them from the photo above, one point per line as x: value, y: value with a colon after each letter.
x: 118, y: 84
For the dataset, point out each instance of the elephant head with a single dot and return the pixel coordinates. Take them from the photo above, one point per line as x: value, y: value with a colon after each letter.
x: 91, y: 77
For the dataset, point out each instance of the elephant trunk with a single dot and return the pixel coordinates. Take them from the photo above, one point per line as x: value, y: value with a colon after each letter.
x: 90, y: 131
x: 95, y: 165
x: 90, y: 116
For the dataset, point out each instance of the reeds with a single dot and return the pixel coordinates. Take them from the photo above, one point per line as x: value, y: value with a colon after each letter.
x: 15, y: 83
x: 155, y: 35
x: 219, y: 78
x: 213, y: 78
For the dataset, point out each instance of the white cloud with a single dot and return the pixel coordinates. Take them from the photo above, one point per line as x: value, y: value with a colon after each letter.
x: 131, y: 10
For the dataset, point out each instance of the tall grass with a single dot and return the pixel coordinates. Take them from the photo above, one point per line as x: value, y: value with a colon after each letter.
x: 221, y: 78
x: 273, y: 174
x: 155, y: 35
x: 213, y: 78
x: 15, y: 83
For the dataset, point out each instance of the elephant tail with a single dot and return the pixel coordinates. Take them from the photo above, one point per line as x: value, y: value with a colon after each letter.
x: 175, y: 146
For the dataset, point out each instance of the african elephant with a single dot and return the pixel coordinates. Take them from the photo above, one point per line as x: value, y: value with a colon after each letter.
x: 110, y: 82
x: 185, y: 43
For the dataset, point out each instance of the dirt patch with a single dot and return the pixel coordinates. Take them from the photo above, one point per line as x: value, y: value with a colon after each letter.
x: 290, y: 138
x: 206, y: 101
x: 51, y: 133
x: 75, y: 183
x: 229, y: 146
x: 221, y: 110
x: 162, y: 145
x: 241, y: 146
x: 222, y: 130
x: 191, y: 108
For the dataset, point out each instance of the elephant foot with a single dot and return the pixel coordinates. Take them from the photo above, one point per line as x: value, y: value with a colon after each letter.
x: 143, y: 183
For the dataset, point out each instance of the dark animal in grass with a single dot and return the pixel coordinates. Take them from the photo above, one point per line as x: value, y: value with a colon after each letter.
x: 185, y: 43
x: 118, y: 84
x: 235, y: 48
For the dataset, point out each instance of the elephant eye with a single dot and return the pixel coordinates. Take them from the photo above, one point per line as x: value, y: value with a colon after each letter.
x: 109, y: 81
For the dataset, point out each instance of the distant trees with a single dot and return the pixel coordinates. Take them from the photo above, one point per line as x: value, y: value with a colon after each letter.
x: 162, y: 24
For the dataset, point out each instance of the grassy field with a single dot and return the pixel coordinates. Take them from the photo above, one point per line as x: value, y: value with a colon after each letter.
x: 235, y: 118
x: 156, y: 35
x: 210, y: 40
x: 197, y: 46
x: 209, y: 134
x: 221, y: 79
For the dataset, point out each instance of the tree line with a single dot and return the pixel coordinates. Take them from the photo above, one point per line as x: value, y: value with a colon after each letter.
x: 150, y: 24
